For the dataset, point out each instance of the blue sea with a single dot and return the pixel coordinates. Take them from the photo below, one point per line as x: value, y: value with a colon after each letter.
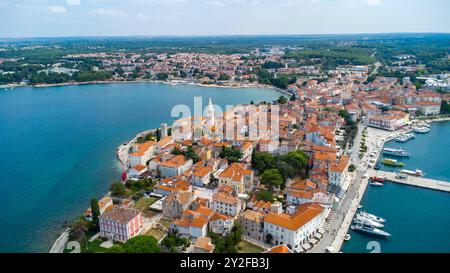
x: 418, y: 219
x: 58, y: 148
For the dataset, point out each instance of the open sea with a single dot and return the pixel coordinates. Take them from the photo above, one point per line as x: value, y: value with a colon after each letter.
x: 58, y: 148
x: 418, y: 219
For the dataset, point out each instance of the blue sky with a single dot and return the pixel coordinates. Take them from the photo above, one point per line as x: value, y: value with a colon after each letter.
x: 31, y: 18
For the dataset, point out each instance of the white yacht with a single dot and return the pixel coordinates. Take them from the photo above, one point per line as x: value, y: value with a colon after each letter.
x: 372, y: 217
x: 366, y: 221
x: 422, y: 130
x: 370, y: 230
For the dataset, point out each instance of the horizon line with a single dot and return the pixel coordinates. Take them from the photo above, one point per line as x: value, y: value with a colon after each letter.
x: 221, y: 35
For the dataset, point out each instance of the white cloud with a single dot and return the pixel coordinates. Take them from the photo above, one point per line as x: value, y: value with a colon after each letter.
x: 373, y: 2
x: 222, y: 3
x: 73, y: 2
x: 111, y: 12
x: 56, y: 9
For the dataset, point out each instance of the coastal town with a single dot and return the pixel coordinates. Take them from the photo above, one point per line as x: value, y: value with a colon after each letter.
x: 212, y: 135
x: 233, y: 181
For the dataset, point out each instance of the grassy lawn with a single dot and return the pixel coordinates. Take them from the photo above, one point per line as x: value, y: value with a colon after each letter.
x: 94, y: 247
x: 165, y: 222
x: 246, y: 247
x: 144, y: 203
x: 158, y: 234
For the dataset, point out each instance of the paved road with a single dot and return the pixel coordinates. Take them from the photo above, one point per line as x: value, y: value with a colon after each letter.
x: 60, y: 243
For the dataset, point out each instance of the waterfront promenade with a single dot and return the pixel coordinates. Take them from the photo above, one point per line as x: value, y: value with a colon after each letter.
x: 420, y: 182
x: 339, y: 225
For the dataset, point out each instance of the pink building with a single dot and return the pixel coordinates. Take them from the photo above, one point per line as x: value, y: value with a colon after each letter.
x: 120, y: 223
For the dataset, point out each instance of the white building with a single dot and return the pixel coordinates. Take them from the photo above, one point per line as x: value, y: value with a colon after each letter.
x: 141, y: 153
x: 338, y: 171
x: 175, y: 166
x: 294, y: 229
x: 224, y: 202
x: 201, y: 177
x: 428, y: 108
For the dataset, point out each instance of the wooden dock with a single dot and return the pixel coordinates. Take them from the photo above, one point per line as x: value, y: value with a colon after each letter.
x: 414, y: 181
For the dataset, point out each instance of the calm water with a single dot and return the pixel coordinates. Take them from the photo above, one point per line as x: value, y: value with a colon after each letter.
x: 418, y: 219
x: 58, y: 148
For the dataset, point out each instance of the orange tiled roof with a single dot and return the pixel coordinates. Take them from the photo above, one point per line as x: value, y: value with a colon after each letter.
x: 304, y: 214
x: 142, y: 148
x: 279, y: 249
x: 175, y: 162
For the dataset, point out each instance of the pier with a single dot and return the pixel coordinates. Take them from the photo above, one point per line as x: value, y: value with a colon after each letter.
x: 413, y: 181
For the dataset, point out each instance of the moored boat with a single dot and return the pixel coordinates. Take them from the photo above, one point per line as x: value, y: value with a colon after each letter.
x: 347, y: 237
x: 378, y: 179
x: 370, y: 230
x: 392, y: 162
x: 417, y: 173
x: 376, y: 184
x: 422, y: 130
x: 366, y: 221
x: 372, y: 217
x: 395, y: 152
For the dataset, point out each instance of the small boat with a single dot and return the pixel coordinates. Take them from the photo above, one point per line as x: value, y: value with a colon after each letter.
x: 370, y: 230
x: 378, y: 179
x: 376, y: 184
x: 401, y: 139
x: 360, y: 206
x: 392, y: 162
x: 366, y: 221
x: 422, y: 130
x: 347, y: 237
x: 401, y: 176
x: 377, y: 166
x: 417, y: 173
x: 395, y: 152
x: 372, y: 217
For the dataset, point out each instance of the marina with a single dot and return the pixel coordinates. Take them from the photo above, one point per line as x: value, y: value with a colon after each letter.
x: 427, y: 198
x: 415, y: 181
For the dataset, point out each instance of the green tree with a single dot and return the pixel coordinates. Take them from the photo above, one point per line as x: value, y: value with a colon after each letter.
x: 272, y: 178
x: 445, y: 107
x: 162, y: 76
x: 282, y: 100
x: 297, y: 160
x: 138, y: 244
x: 158, y: 134
x: 224, y: 77
x: 117, y: 189
x: 95, y: 213
x: 263, y: 161
x: 351, y: 168
x: 265, y: 196
x: 231, y: 153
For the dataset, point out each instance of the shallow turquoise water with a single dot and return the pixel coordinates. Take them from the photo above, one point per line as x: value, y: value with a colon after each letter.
x: 418, y: 219
x: 58, y: 148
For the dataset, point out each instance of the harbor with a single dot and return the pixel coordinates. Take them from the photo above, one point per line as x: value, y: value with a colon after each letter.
x: 415, y: 181
x: 418, y: 199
